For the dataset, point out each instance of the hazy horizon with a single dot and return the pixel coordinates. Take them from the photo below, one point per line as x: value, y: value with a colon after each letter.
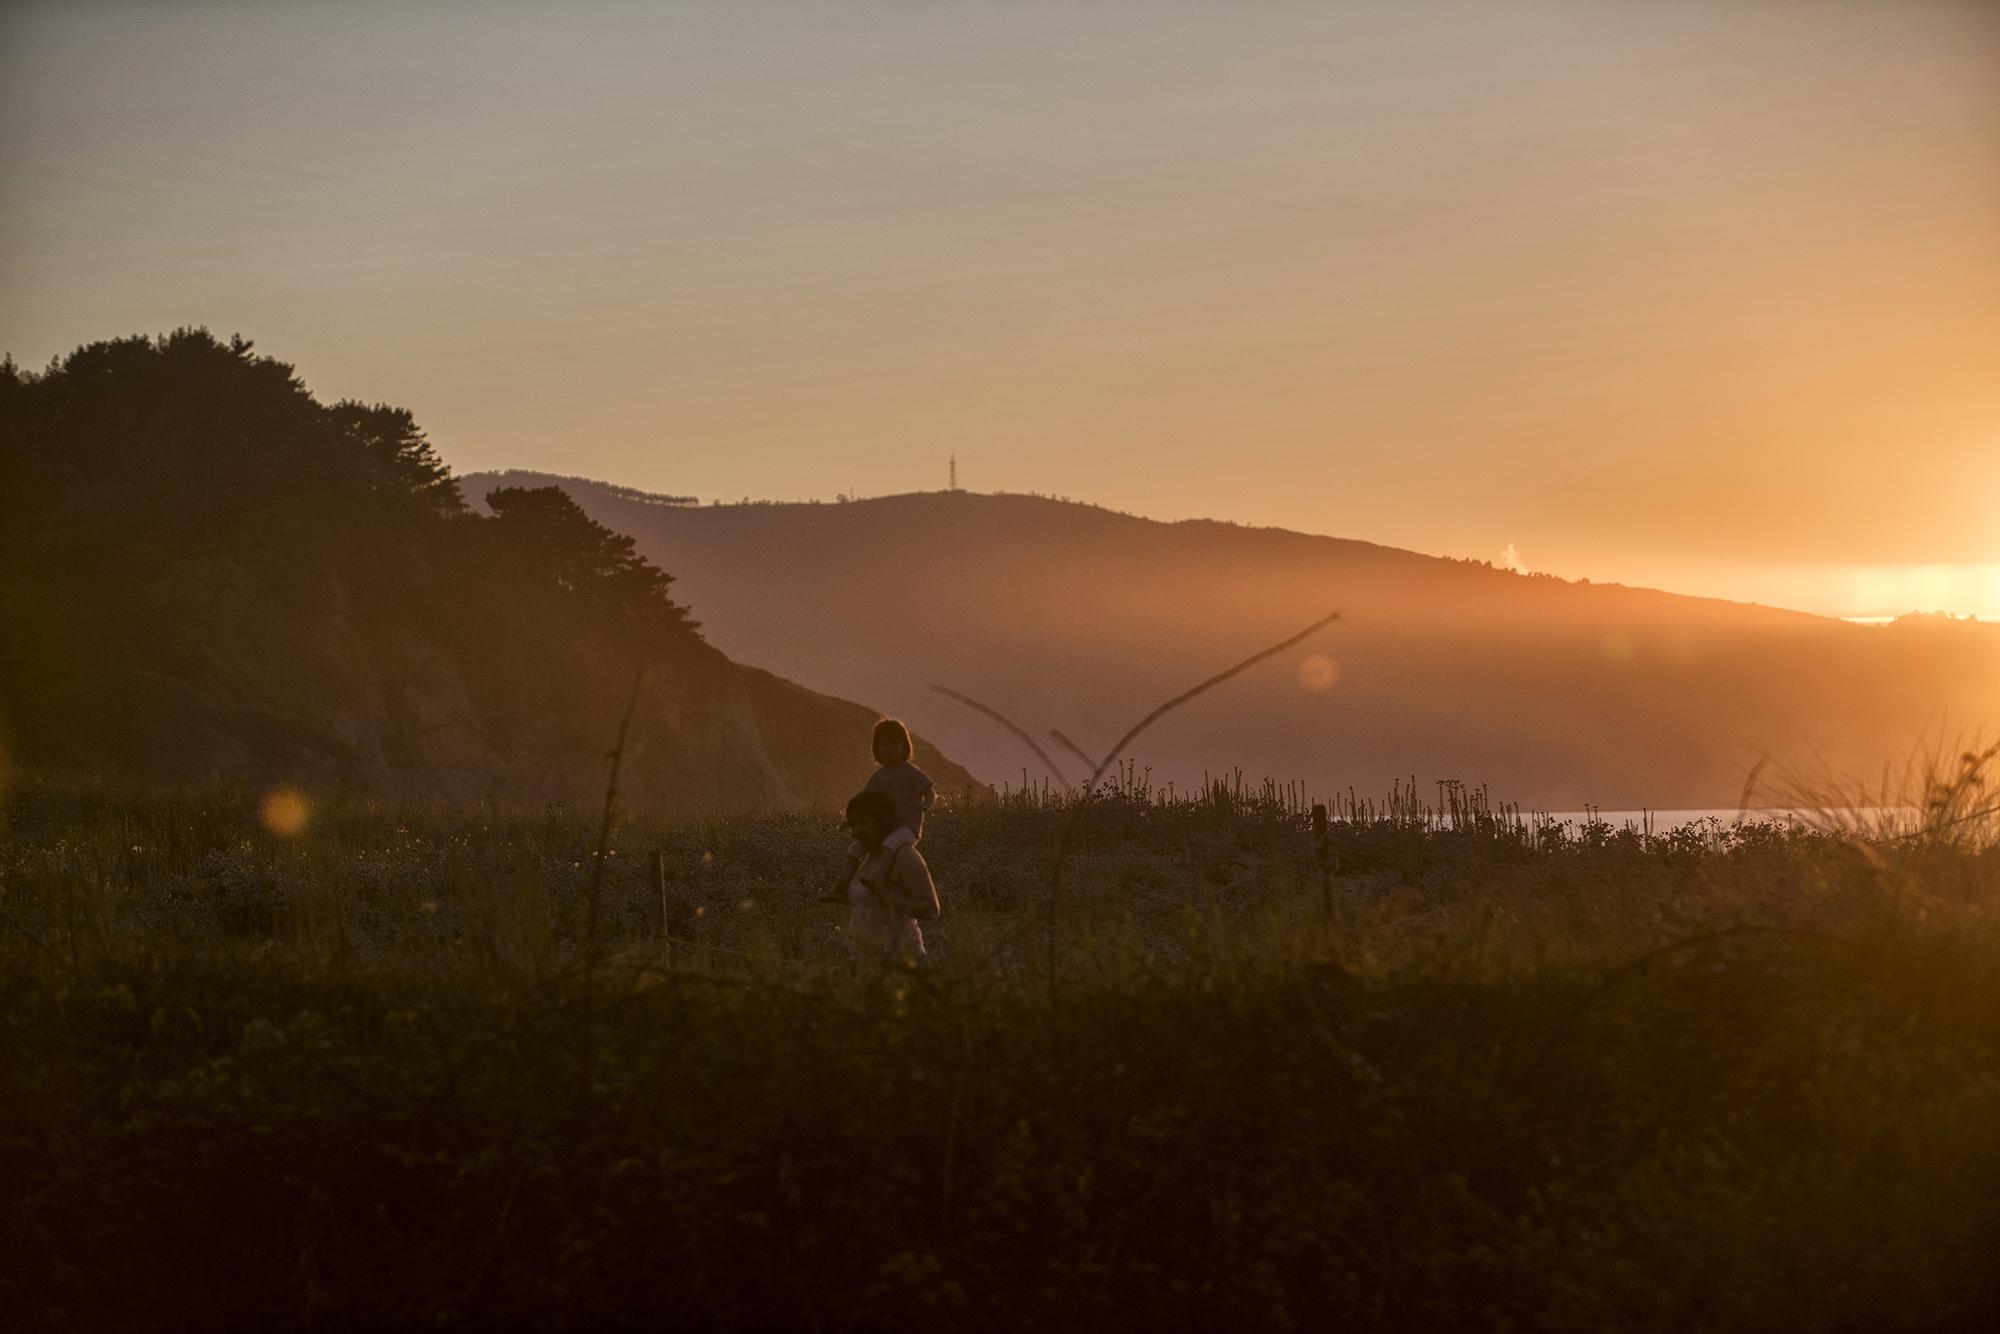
x: 1550, y: 691
x: 1695, y: 296
x: 1855, y: 586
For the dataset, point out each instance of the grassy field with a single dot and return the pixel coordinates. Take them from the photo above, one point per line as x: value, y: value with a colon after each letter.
x: 1427, y: 1072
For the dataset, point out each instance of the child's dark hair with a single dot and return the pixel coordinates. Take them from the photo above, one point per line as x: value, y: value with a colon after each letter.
x: 877, y: 806
x: 896, y: 735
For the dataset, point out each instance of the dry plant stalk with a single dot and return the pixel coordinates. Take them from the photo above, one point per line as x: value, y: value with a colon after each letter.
x: 1010, y: 725
x: 1131, y: 735
x: 1071, y: 747
x: 1111, y: 757
x: 1163, y: 710
x: 596, y: 891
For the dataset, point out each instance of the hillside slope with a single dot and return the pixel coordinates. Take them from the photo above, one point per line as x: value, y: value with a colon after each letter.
x: 205, y: 574
x: 1069, y: 616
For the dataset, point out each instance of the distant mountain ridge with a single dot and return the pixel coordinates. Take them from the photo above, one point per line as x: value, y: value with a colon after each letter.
x: 205, y: 574
x: 1068, y: 616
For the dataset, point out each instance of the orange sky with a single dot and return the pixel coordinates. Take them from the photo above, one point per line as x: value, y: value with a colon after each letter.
x: 1700, y: 295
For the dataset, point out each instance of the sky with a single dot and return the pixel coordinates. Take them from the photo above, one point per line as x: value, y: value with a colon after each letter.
x: 1704, y: 296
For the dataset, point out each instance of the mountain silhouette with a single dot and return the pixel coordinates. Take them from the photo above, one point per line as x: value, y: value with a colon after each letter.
x: 1074, y: 617
x: 207, y: 574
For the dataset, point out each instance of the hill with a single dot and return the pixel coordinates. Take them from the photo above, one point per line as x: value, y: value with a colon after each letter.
x: 1070, y: 616
x: 206, y: 574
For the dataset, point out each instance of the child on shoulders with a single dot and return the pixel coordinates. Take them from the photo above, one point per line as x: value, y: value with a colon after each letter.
x: 907, y: 785
x: 909, y: 790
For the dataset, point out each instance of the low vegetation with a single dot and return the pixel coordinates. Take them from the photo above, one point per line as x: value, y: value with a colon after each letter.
x: 1439, y: 1068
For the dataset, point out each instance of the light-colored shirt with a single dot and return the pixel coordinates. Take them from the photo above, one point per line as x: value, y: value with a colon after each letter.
x: 889, y: 883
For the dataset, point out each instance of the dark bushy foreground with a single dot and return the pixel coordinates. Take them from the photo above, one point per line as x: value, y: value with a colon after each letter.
x: 1726, y: 1080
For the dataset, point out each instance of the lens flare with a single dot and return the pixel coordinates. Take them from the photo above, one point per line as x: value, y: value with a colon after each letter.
x: 284, y: 811
x: 1317, y: 672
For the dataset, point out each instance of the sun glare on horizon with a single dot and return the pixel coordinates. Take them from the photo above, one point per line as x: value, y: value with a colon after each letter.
x: 1885, y: 592
x: 1864, y: 594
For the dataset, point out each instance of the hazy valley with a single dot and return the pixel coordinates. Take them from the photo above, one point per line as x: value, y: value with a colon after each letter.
x: 1067, y: 616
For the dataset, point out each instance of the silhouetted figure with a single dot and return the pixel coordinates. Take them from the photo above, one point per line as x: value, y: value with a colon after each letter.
x: 907, y: 785
x: 909, y: 788
x: 891, y: 890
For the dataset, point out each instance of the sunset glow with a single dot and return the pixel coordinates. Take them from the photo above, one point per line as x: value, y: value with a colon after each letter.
x: 998, y: 664
x: 1858, y: 593
x: 1700, y: 295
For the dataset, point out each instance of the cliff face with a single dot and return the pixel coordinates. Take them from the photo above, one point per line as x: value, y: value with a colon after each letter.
x: 399, y: 714
x: 205, y: 574
x: 403, y: 711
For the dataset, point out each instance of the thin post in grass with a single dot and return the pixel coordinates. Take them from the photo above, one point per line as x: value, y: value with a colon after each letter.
x: 69, y: 920
x: 596, y: 892
x: 656, y: 876
x: 1750, y: 787
x: 1322, y: 847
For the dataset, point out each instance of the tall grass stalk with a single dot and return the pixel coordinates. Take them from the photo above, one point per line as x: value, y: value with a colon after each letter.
x: 1008, y: 723
x: 1132, y: 734
x: 595, y: 895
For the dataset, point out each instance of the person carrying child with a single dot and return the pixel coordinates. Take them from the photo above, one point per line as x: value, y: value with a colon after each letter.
x: 909, y: 794
x: 891, y: 892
